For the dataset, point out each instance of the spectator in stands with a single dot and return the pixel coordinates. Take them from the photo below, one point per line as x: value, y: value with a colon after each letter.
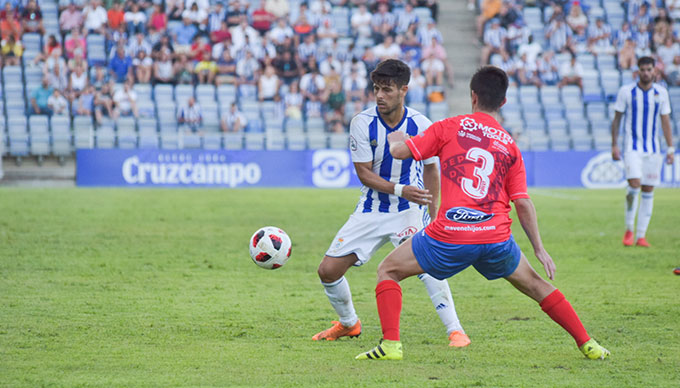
x: 63, y: 4
x: 268, y: 85
x: 527, y: 72
x: 292, y: 102
x: 101, y: 77
x: 221, y: 35
x: 11, y: 53
x: 239, y: 33
x: 125, y: 101
x: 226, y: 69
x: 138, y: 43
x: 643, y: 41
x: 330, y: 64
x: 326, y: 33
x: 184, y: 70
x: 55, y: 59
x: 495, y: 40
x: 382, y: 22
x: 281, y: 32
x: 278, y: 8
x: 115, y: 15
x: 433, y: 68
x: 627, y: 56
x: 96, y: 17
x: 164, y: 45
x: 577, y: 19
x: 361, y: 22
x: 620, y: 36
x: 668, y: 51
x: 641, y: 17
x: 174, y: 9
x: 57, y: 104
x: 508, y: 65
x: 233, y: 120
x: 71, y: 18
x: 262, y: 19
x: 135, y: 20
x: 57, y: 77
x: 571, y: 73
x: 312, y: 84
x: 31, y: 18
x: 163, y: 71
x: 206, y: 67
x: 530, y: 48
x: 354, y: 86
x: 417, y: 87
x: 673, y: 72
x: 307, y: 49
x: 39, y: 98
x: 489, y: 10
x: 184, y: 35
x: 405, y: 19
x: 387, y: 49
x: 103, y: 103
x: 75, y: 45
x: 548, y: 68
x: 10, y: 26
x: 673, y: 9
x: 189, y: 115
x: 9, y: 8
x: 120, y: 65
x: 287, y: 67
x: 302, y: 28
x: 426, y: 34
x: 559, y: 36
x: 197, y: 16
x: 599, y: 38
x: 517, y: 34
x: 439, y: 52
x: 77, y: 81
x: 158, y: 19
x: 247, y: 69
x: 143, y: 66
x: 84, y: 104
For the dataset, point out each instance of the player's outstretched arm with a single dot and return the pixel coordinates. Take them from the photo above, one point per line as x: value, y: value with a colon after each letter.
x: 398, y: 147
x: 376, y: 182
x: 526, y: 212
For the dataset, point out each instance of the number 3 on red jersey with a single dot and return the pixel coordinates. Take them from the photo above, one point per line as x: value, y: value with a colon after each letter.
x: 480, y: 188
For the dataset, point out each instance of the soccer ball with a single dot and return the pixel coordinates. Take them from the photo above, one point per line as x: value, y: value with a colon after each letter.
x: 270, y: 247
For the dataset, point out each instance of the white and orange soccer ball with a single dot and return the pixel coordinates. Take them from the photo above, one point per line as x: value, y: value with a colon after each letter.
x: 270, y: 247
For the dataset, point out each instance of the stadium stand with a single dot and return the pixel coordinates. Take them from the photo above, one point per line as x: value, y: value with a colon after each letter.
x: 181, y: 54
x: 570, y: 106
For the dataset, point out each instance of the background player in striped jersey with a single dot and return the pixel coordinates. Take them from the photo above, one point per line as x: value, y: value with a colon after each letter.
x: 482, y: 171
x: 391, y: 208
x: 646, y: 106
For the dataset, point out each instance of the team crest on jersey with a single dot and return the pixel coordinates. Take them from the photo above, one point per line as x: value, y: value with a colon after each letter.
x: 466, y: 215
x: 353, y: 143
x: 374, y: 143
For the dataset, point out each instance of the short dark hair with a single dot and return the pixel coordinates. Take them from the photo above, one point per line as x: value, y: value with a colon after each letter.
x: 391, y: 70
x: 646, y: 61
x: 489, y: 84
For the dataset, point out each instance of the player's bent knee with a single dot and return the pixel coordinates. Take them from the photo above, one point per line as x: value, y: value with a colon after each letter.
x: 332, y: 268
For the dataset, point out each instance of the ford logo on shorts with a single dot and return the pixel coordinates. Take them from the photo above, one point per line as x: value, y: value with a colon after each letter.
x: 465, y: 215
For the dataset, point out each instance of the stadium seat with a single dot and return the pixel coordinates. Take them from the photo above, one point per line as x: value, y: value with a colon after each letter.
x: 190, y: 140
x: 170, y: 140
x: 96, y: 50
x: 183, y: 93
x: 83, y: 132
x: 315, y: 125
x: 438, y: 111
x: 317, y: 141
x: 60, y: 127
x: 274, y: 140
x: 226, y: 94
x: 233, y: 141
x: 212, y: 141
x: 105, y: 136
x: 528, y: 94
x: 40, y: 135
x: 254, y: 141
x: 338, y: 140
x: 296, y: 141
x: 211, y: 120
x: 148, y: 139
x: 205, y: 94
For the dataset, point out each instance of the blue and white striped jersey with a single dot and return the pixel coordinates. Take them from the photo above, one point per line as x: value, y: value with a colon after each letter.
x: 368, y: 142
x: 642, y: 124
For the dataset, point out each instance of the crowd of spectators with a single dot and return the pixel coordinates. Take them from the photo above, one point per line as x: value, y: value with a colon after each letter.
x: 648, y: 28
x: 289, y: 51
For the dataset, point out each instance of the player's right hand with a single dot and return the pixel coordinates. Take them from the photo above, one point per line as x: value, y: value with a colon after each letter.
x: 548, y: 263
x: 616, y: 152
x: 416, y: 195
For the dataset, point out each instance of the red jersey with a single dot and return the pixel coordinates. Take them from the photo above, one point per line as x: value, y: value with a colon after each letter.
x: 482, y: 170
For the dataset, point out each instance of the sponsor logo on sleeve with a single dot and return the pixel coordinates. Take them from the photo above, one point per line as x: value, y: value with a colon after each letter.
x: 353, y: 143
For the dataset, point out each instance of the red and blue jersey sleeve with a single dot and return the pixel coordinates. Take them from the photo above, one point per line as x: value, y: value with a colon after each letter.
x: 427, y: 144
x: 516, y: 180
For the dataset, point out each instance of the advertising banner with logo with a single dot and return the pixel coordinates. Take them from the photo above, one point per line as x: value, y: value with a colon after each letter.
x: 315, y: 168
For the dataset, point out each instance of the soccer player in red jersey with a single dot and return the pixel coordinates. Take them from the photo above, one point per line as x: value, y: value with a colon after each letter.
x: 482, y: 171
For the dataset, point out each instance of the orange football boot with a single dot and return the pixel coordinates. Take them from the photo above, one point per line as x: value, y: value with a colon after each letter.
x: 338, y: 330
x: 628, y: 238
x: 642, y: 242
x: 459, y: 339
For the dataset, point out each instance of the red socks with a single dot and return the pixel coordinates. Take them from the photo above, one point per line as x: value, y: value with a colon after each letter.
x: 388, y: 297
x: 559, y: 309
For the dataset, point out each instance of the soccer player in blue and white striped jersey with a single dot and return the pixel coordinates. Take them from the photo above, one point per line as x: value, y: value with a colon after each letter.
x: 647, y: 107
x: 392, y: 206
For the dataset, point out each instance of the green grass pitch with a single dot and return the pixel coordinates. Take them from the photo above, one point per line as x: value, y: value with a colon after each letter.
x: 155, y: 288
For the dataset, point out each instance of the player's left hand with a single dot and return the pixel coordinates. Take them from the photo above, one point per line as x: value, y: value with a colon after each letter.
x: 396, y: 137
x: 414, y: 194
x: 548, y: 263
x: 670, y: 158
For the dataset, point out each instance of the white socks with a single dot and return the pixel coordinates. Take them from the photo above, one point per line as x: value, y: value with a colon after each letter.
x: 440, y: 294
x: 341, y: 299
x: 631, y: 207
x: 644, y: 214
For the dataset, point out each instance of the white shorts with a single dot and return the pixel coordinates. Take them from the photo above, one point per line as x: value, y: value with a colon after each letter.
x: 364, y: 233
x: 645, y: 167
